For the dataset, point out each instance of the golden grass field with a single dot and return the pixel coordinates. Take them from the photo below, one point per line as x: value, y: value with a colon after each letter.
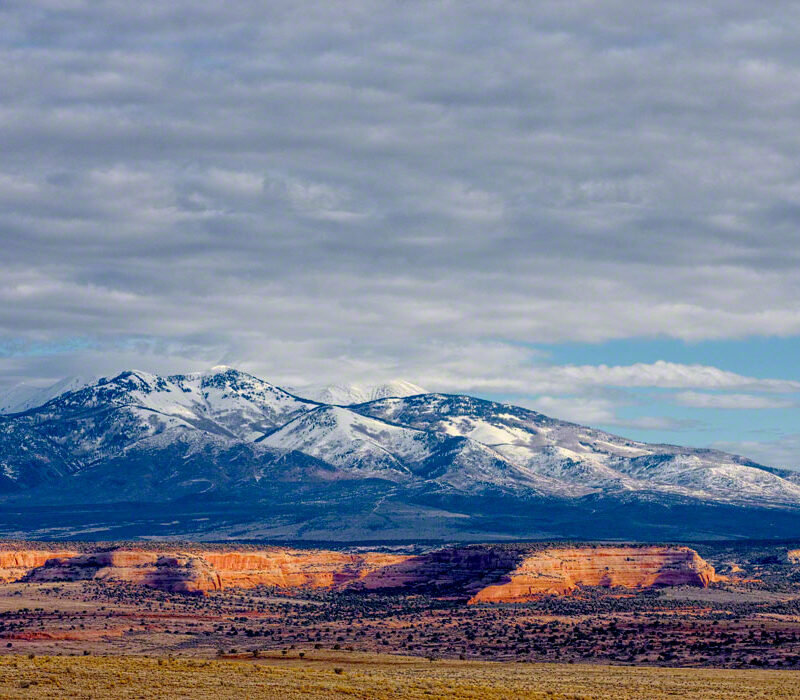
x: 371, y: 677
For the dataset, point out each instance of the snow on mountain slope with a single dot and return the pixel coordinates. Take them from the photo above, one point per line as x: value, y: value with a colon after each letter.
x: 221, y: 400
x: 24, y: 396
x: 443, y: 443
x: 573, y: 454
x: 246, y: 406
x: 234, y: 449
x: 347, y: 394
x: 359, y: 445
x: 471, y: 467
x: 99, y: 421
x: 28, y: 458
x: 710, y: 473
x: 365, y: 447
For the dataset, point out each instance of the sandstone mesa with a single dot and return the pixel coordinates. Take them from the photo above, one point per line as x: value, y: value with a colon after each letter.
x: 483, y: 573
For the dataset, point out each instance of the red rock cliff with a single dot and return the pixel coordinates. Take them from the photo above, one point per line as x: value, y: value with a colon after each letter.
x: 203, y: 571
x: 486, y: 573
x: 14, y: 564
x: 287, y: 568
x: 176, y: 572
x: 562, y: 570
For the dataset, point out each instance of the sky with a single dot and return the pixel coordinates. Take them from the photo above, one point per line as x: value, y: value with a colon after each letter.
x: 587, y: 208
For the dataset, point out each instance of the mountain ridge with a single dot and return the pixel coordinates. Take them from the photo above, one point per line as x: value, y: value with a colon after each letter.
x: 447, y: 462
x: 349, y: 394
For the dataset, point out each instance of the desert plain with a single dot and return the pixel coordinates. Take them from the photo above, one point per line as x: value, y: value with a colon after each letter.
x: 577, y: 620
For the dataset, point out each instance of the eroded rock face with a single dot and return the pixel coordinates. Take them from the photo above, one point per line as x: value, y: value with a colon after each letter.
x: 483, y: 573
x: 561, y: 570
x: 174, y: 572
x: 464, y: 570
x: 14, y: 564
x: 286, y: 568
x: 203, y: 571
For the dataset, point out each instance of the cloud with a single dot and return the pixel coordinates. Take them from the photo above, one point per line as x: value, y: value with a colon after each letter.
x: 515, y: 370
x: 598, y: 411
x: 661, y: 374
x: 783, y: 452
x: 731, y: 401
x: 363, y: 190
x: 583, y: 410
x: 514, y: 172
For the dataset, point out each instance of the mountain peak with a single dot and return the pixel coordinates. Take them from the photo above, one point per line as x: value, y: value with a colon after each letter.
x: 355, y: 393
x: 25, y: 396
x: 390, y: 451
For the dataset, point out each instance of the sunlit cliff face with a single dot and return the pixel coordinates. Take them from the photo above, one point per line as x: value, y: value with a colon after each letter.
x: 485, y: 573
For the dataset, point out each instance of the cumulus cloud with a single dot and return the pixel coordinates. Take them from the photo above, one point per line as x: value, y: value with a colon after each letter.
x: 412, y: 171
x: 367, y: 190
x: 514, y: 371
x: 733, y: 401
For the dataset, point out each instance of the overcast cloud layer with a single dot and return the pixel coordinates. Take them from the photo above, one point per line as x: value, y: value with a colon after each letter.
x: 362, y: 190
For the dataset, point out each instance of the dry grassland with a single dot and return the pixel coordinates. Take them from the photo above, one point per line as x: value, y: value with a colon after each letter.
x: 324, y: 674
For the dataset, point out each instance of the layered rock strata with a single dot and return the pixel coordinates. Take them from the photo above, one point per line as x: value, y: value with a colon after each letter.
x: 561, y: 571
x: 204, y: 571
x: 174, y: 572
x: 17, y: 563
x: 286, y: 568
x: 482, y: 573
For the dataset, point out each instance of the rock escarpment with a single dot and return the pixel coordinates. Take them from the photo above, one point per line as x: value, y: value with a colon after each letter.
x: 463, y: 570
x: 16, y: 563
x: 174, y: 572
x: 288, y: 568
x: 204, y: 571
x: 482, y: 573
x: 562, y: 570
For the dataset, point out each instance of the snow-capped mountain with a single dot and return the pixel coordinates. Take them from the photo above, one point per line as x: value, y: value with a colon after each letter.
x: 416, y: 463
x: 584, y: 458
x: 348, y: 394
x: 358, y: 445
x: 25, y: 396
x: 95, y: 423
x: 222, y: 401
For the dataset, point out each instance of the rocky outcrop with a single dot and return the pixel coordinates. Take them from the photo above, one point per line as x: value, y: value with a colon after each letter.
x: 482, y: 573
x: 16, y: 563
x: 178, y: 573
x: 793, y: 555
x: 463, y: 570
x: 204, y: 571
x: 287, y: 568
x: 562, y: 570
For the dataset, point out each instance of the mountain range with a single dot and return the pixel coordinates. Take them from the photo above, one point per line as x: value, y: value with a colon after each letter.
x: 222, y: 454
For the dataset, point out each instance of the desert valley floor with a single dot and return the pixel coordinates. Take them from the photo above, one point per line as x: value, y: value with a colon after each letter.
x: 479, y: 621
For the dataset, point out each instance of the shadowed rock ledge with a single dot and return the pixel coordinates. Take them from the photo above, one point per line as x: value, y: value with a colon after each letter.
x: 481, y: 573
